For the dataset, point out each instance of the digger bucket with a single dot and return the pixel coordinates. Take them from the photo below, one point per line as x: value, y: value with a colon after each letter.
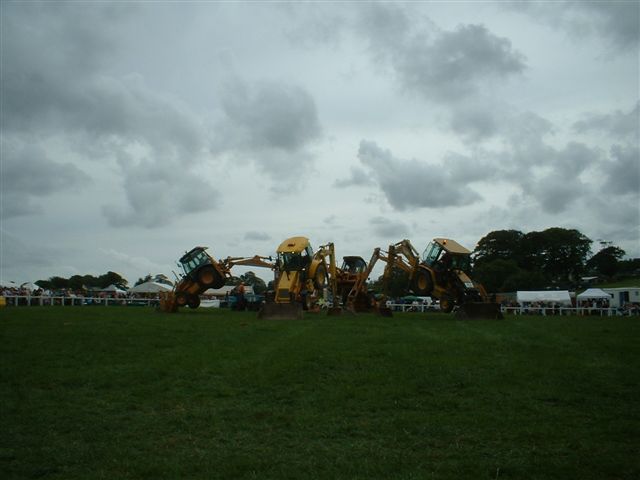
x: 280, y: 311
x: 168, y: 302
x: 479, y: 310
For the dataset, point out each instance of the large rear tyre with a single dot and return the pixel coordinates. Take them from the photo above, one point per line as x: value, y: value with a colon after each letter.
x: 422, y: 282
x: 209, y: 277
x: 446, y: 304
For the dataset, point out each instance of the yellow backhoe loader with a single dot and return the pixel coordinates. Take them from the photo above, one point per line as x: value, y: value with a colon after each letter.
x: 352, y: 284
x: 301, y: 276
x: 443, y: 273
x: 200, y: 271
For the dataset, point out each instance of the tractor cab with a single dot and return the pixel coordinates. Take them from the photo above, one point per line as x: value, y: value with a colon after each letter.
x: 447, y: 254
x: 294, y: 254
x: 353, y: 265
x: 194, y: 259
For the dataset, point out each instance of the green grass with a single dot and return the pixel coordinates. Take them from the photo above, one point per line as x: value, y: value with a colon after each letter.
x: 104, y: 393
x: 622, y: 283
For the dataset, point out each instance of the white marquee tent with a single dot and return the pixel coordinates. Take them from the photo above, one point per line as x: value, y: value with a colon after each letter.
x: 547, y: 296
x: 594, y: 293
x: 150, y: 287
x: 114, y: 289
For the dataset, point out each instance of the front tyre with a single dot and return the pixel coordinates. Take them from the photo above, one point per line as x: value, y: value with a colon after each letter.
x: 194, y: 302
x: 422, y: 282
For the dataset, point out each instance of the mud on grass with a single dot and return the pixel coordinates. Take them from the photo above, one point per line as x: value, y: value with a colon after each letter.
x: 90, y: 393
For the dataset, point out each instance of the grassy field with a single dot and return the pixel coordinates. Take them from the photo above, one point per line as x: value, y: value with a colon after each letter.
x: 119, y: 393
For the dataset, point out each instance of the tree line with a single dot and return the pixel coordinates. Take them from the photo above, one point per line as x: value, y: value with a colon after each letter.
x: 83, y: 282
x: 509, y: 260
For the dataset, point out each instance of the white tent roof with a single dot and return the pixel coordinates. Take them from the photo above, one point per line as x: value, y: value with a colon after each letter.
x: 150, y: 287
x: 594, y: 293
x: 558, y: 296
x: 113, y: 288
x: 220, y: 292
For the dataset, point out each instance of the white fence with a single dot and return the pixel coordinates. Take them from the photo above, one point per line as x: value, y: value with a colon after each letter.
x: 40, y: 301
x: 35, y: 301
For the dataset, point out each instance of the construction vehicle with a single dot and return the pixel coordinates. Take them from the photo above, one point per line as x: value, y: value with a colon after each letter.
x: 200, y: 272
x: 353, y: 288
x: 301, y: 276
x: 442, y: 273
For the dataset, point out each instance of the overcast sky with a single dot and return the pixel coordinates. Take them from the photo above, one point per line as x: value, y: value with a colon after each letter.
x: 132, y: 132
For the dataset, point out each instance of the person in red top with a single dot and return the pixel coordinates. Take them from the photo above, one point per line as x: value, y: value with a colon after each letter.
x: 240, y: 296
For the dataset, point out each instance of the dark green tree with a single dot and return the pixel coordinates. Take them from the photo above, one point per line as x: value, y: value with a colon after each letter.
x: 493, y: 274
x: 111, y: 278
x: 395, y: 286
x: 59, y: 283
x: 559, y: 254
x: 524, y: 280
x: 141, y: 280
x: 499, y: 245
x: 630, y: 267
x: 606, y: 262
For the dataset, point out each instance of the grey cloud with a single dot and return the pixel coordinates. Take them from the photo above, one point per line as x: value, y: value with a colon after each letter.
x: 555, y: 193
x: 28, y: 175
x: 622, y: 125
x: 476, y: 122
x: 463, y: 169
x: 24, y: 254
x: 622, y: 172
x: 59, y: 88
x: 357, y: 177
x: 526, y: 152
x: 411, y: 183
x: 271, y: 125
x: 384, y: 227
x: 259, y: 236
x: 385, y: 25
x: 270, y: 116
x: 158, y: 193
x: 615, y: 21
x: 456, y: 62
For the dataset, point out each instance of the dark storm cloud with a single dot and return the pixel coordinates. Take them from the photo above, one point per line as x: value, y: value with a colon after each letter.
x: 412, y: 183
x: 616, y: 21
x: 384, y: 227
x: 28, y: 176
x: 57, y: 88
x: 622, y: 125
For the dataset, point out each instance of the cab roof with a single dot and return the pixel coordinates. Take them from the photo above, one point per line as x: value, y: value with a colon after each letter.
x: 451, y: 246
x: 294, y: 245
